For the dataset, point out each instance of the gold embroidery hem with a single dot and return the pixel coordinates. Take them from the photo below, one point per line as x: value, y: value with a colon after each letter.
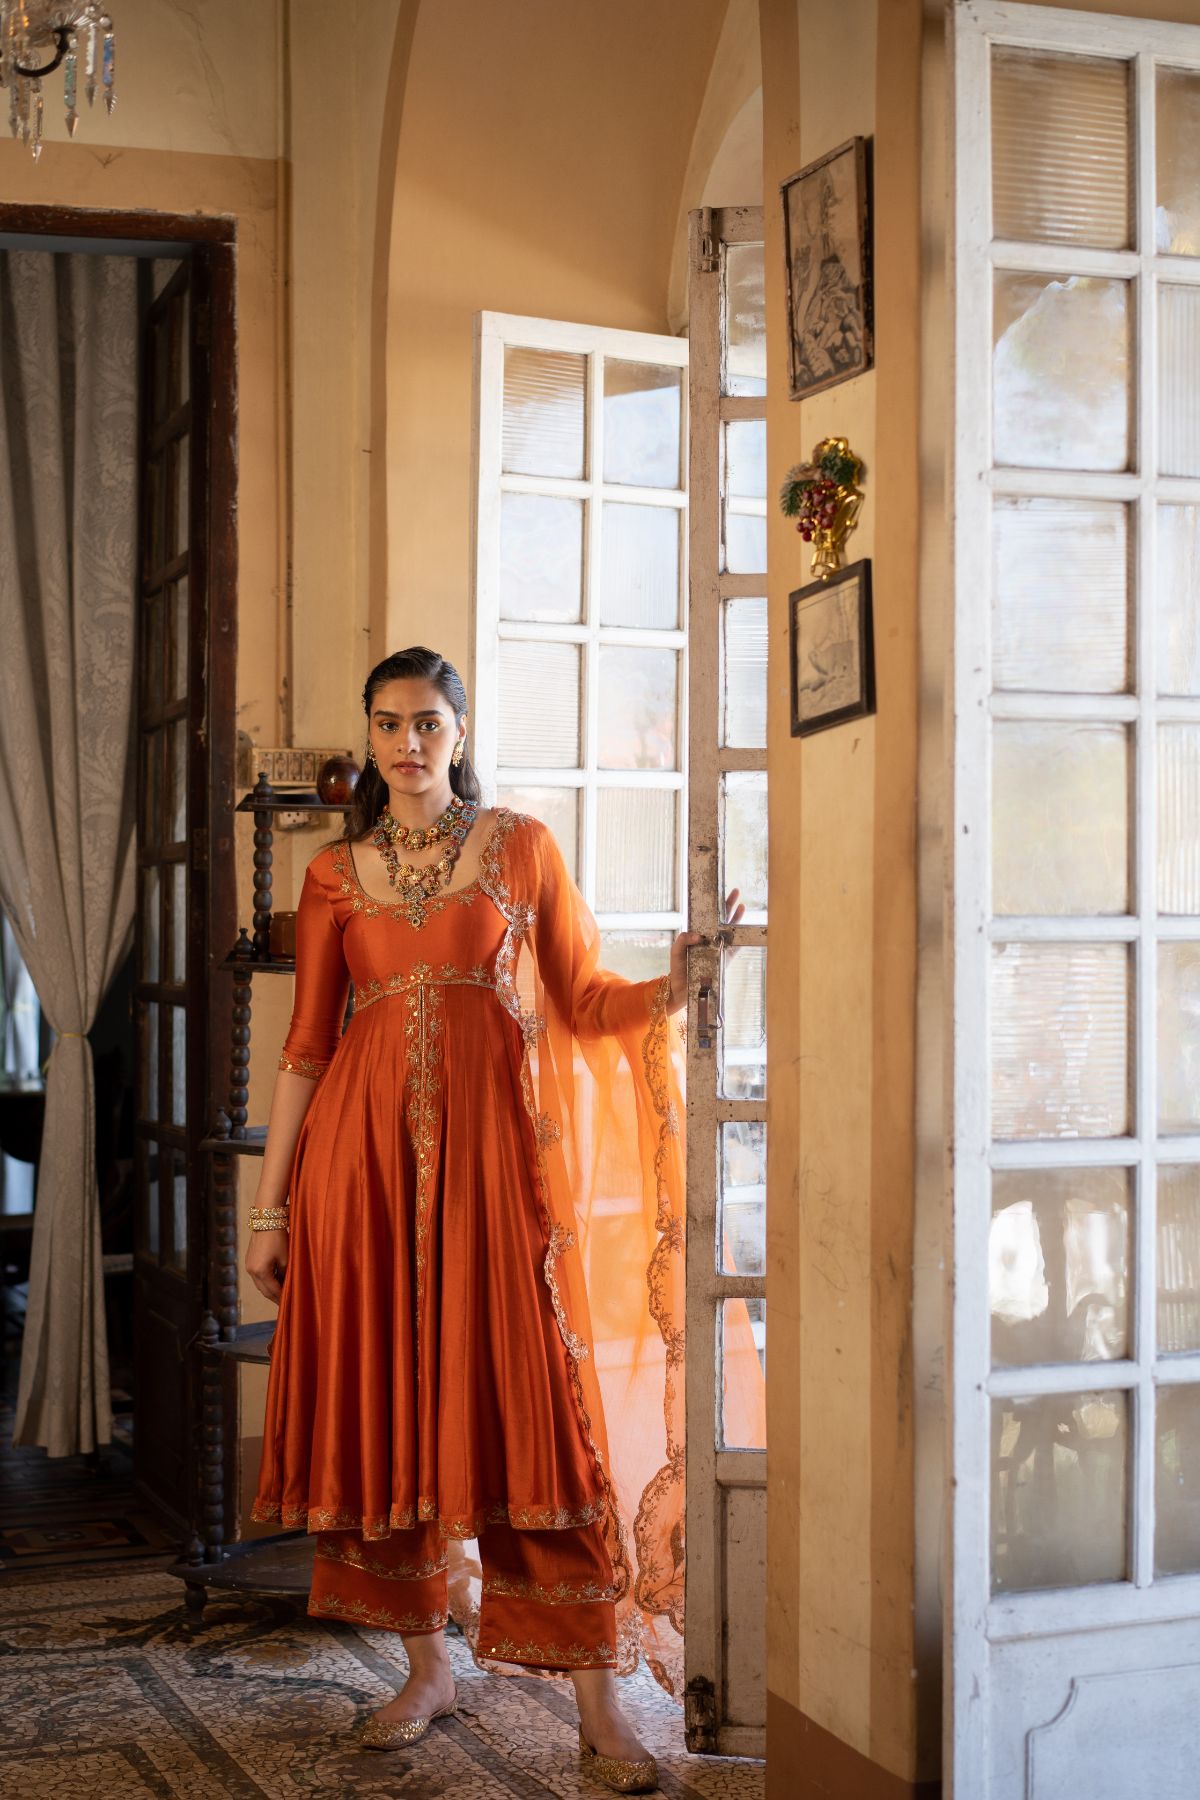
x: 354, y: 1556
x: 659, y: 1590
x: 563, y: 1593
x: 302, y: 1065
x: 357, y: 1612
x: 296, y: 1516
x: 571, y: 1656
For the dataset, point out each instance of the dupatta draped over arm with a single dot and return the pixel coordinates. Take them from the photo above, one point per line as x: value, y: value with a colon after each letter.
x: 601, y: 1081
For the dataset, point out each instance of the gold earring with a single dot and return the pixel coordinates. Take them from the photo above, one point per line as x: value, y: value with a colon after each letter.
x: 370, y: 753
x: 458, y: 753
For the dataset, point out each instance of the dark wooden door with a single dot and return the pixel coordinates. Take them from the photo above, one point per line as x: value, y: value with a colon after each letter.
x: 169, y: 937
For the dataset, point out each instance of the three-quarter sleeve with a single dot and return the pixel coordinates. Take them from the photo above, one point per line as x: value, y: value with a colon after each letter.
x: 322, y: 984
x: 597, y: 1001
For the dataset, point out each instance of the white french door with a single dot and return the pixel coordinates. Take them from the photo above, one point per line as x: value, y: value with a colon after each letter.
x: 579, y: 672
x: 725, y: 1639
x: 1075, y: 1635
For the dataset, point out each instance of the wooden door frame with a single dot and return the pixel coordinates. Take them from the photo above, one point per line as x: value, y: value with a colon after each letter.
x: 212, y: 658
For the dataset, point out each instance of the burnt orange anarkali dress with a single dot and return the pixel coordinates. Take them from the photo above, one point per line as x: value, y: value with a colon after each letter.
x: 496, y: 1131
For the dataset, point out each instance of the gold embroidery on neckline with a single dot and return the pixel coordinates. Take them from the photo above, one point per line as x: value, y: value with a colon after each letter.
x: 417, y: 911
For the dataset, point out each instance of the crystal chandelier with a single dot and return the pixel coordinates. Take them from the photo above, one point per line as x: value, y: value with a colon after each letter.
x: 39, y: 37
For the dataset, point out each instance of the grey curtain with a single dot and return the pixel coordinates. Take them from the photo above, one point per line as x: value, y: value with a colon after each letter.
x: 68, y: 540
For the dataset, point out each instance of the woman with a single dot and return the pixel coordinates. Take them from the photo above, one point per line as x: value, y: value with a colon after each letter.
x: 498, y: 1106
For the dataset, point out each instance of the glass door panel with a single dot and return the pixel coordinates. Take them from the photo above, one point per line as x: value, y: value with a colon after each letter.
x: 726, y: 1068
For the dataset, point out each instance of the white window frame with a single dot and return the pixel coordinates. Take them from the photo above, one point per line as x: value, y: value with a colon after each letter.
x: 980, y: 1624
x: 494, y: 332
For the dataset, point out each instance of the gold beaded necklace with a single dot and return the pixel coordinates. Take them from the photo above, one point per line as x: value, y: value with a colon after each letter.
x: 452, y: 827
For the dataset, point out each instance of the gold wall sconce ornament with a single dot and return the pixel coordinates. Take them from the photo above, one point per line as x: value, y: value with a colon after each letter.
x: 824, y: 498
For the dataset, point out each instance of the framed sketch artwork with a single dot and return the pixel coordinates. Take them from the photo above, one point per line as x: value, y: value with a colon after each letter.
x: 827, y: 243
x: 832, y: 657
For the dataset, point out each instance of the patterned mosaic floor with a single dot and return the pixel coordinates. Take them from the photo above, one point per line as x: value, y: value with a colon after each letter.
x: 103, y: 1693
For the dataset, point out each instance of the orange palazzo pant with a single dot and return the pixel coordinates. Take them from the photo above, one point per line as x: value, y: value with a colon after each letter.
x: 547, y: 1595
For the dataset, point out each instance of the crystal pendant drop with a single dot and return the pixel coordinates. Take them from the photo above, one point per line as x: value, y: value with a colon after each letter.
x: 69, y: 74
x: 89, y: 66
x: 14, y: 117
x: 109, y: 71
x: 38, y: 111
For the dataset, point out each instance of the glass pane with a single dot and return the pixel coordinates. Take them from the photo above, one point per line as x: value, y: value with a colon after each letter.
x: 743, y: 836
x: 743, y: 1064
x: 544, y: 412
x: 177, y: 1249
x: 642, y: 416
x: 185, y: 339
x: 1058, y: 1490
x: 153, y: 1155
x: 1061, y: 372
x: 178, y: 1066
x: 1178, y: 378
x: 1178, y: 1258
x: 1178, y: 579
x: 1177, y: 1491
x: 1060, y: 149
x: 179, y: 640
x: 1178, y: 1038
x: 744, y: 674
x: 541, y: 557
x: 152, y: 653
x: 742, y: 1246
x: 1060, y: 596
x: 178, y: 880
x: 152, y: 755
x: 149, y: 1095
x: 557, y: 807
x: 1178, y: 162
x: 539, y: 705
x: 180, y: 458
x: 150, y: 923
x: 155, y: 509
x: 635, y: 849
x: 1060, y: 818
x: 639, y: 566
x: 639, y: 707
x: 745, y: 496
x: 1060, y: 1029
x: 178, y: 743
x: 743, y: 1373
x: 1058, y: 1265
x: 745, y: 321
x: 1178, y: 819
x: 638, y: 955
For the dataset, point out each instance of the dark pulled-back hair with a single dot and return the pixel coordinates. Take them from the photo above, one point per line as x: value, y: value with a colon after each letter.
x: 414, y: 664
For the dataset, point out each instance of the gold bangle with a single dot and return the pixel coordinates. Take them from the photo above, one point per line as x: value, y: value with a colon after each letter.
x: 269, y: 1218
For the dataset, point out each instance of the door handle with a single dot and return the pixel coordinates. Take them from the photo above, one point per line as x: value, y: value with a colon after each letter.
x: 708, y: 1015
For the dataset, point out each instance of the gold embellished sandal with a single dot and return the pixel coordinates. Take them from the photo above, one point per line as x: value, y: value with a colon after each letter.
x: 398, y: 1734
x: 624, y: 1774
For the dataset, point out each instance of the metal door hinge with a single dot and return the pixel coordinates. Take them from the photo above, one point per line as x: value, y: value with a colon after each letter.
x: 700, y: 1716
x: 707, y: 260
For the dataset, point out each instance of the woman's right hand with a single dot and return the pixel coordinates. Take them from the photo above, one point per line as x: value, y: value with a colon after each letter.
x: 266, y: 1261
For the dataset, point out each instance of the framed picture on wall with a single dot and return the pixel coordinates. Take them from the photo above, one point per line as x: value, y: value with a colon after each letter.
x: 832, y: 652
x: 827, y: 243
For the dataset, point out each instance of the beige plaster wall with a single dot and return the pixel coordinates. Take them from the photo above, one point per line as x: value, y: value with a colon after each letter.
x: 841, y: 1002
x: 542, y: 155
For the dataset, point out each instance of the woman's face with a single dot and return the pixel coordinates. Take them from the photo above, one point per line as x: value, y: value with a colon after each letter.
x: 413, y: 733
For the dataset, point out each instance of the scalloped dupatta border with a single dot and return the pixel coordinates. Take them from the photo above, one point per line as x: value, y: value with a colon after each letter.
x: 652, y: 1578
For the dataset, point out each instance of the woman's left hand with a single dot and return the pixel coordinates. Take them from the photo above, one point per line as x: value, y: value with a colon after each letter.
x: 679, y: 975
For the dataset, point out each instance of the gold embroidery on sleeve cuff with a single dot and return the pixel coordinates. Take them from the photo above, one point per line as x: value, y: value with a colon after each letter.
x: 302, y: 1065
